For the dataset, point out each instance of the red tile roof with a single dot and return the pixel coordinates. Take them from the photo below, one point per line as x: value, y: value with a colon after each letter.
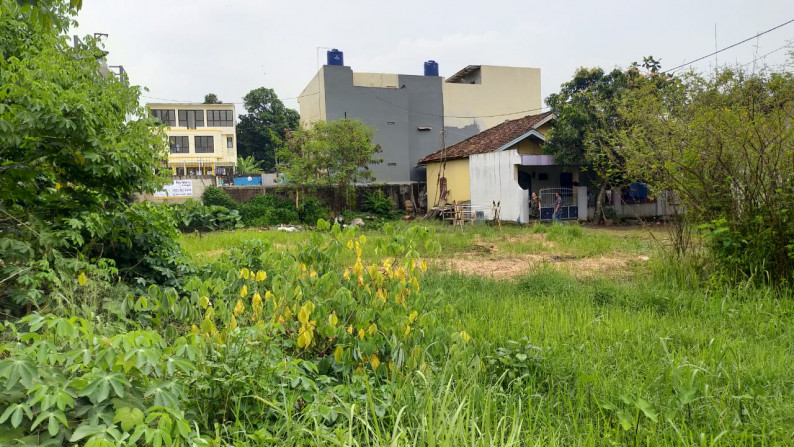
x: 488, y: 140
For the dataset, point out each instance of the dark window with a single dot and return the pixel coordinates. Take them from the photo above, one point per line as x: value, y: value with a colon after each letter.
x: 191, y: 118
x: 220, y: 118
x: 180, y: 171
x: 204, y: 145
x: 229, y: 142
x: 179, y: 145
x: 165, y: 116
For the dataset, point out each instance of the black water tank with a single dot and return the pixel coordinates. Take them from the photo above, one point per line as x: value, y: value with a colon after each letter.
x: 335, y: 57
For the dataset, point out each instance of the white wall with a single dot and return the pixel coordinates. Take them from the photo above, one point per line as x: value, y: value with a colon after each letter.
x: 493, y: 177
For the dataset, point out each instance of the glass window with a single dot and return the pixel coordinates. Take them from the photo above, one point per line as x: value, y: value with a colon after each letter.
x: 204, y: 145
x: 191, y: 118
x: 220, y: 118
x: 166, y: 116
x: 179, y: 145
x: 229, y: 142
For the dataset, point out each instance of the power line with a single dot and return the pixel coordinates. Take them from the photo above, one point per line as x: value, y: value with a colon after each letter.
x: 728, y: 47
x: 788, y: 45
x: 454, y: 116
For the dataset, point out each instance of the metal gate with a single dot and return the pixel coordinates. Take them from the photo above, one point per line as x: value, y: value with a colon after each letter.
x: 569, y: 210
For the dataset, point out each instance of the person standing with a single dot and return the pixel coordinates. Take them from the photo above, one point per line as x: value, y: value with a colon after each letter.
x: 557, y: 216
x: 534, y: 206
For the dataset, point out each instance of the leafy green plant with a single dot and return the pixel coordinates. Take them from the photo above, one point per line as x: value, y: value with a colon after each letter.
x: 379, y: 203
x: 248, y: 165
x: 268, y: 210
x: 311, y: 210
x: 67, y: 383
x: 194, y: 216
x: 214, y: 196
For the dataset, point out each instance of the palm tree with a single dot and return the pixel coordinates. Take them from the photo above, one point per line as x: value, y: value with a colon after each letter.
x: 248, y: 165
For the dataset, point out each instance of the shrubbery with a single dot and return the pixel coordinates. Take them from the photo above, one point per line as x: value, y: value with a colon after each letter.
x: 194, y: 216
x: 311, y: 210
x: 218, y: 197
x: 288, y: 329
x: 268, y: 210
x: 378, y: 203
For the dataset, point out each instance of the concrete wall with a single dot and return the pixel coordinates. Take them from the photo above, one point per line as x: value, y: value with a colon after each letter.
x: 494, y: 177
x: 457, y: 174
x: 311, y: 101
x: 395, y: 112
x: 498, y: 94
x: 414, y: 192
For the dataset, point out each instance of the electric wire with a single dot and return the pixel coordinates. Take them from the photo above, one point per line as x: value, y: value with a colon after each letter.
x: 728, y: 47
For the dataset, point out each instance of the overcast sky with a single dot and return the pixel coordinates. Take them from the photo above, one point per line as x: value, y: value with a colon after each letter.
x: 182, y: 50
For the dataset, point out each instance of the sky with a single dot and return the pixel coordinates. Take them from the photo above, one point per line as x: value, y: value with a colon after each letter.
x: 181, y: 50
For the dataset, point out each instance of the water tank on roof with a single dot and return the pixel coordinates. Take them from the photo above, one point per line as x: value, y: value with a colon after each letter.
x: 335, y: 57
x: 431, y: 68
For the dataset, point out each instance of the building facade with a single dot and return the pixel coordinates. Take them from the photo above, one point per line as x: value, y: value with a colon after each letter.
x: 409, y: 112
x: 201, y: 137
x: 405, y: 111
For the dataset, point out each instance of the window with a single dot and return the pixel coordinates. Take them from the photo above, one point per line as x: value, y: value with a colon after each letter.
x: 220, y: 118
x: 229, y: 142
x: 204, y: 145
x: 165, y: 116
x: 179, y: 145
x: 191, y: 118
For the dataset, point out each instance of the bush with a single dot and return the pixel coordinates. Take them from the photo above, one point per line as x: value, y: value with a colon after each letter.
x: 268, y: 210
x: 378, y: 203
x: 218, y: 197
x: 194, y: 216
x: 310, y: 210
x: 142, y: 240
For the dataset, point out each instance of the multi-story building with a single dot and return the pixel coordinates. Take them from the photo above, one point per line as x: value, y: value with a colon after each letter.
x: 408, y: 112
x: 201, y: 137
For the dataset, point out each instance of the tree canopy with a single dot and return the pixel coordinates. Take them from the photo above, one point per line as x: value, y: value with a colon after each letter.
x: 211, y: 98
x: 588, y: 121
x: 329, y: 154
x: 74, y: 145
x: 261, y: 130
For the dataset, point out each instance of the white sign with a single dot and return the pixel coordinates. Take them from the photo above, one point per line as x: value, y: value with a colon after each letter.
x: 180, y: 188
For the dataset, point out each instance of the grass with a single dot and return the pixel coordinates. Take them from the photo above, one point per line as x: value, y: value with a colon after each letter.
x: 621, y: 359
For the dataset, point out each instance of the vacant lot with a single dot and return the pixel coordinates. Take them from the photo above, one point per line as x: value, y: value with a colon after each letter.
x: 588, y: 337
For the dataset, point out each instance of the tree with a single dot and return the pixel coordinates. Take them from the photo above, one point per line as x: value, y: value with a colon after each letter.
x: 247, y: 165
x: 725, y: 145
x: 262, y: 129
x: 335, y: 154
x: 586, y: 117
x: 74, y: 145
x: 211, y: 98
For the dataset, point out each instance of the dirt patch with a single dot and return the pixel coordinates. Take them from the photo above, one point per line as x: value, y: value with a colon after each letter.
x: 475, y: 264
x: 531, y: 237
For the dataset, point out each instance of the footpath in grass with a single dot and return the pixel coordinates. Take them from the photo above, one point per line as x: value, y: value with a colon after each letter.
x: 579, y: 349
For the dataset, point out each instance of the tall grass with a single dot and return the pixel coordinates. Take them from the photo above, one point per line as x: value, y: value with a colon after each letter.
x: 656, y: 359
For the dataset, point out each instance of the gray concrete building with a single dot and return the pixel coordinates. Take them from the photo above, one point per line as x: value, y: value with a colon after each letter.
x: 410, y: 112
x: 405, y: 111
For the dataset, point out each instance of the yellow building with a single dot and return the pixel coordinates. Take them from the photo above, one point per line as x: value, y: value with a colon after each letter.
x: 201, y: 137
x: 479, y: 97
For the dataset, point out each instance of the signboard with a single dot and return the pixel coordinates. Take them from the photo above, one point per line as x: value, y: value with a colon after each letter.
x: 180, y: 188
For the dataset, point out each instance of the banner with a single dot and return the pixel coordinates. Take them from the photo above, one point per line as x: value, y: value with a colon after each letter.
x: 180, y: 188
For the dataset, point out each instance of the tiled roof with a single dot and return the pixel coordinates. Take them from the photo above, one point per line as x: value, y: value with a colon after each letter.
x: 488, y: 140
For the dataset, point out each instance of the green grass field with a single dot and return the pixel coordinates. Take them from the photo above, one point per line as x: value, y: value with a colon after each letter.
x: 593, y: 342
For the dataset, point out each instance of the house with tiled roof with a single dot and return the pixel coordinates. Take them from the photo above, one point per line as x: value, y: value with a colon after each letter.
x: 502, y: 164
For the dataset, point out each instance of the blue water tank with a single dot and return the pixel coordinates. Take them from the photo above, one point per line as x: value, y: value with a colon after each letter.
x: 431, y: 68
x: 335, y: 57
